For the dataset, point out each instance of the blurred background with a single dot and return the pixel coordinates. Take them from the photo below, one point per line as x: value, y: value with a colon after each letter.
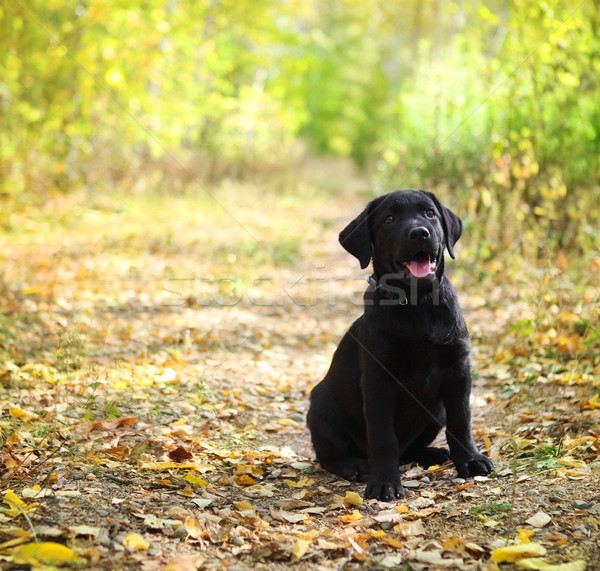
x: 495, y: 105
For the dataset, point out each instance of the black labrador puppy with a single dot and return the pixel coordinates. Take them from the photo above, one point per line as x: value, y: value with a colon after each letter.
x: 402, y: 370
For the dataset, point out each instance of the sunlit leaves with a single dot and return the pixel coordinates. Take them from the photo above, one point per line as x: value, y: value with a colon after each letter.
x: 135, y: 541
x: 46, y: 553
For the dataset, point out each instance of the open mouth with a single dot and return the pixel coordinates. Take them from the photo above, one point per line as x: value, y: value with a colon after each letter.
x: 420, y: 265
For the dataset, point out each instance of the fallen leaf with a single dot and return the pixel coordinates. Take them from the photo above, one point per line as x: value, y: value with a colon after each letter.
x: 387, y: 516
x: 538, y: 563
x: 353, y: 499
x: 153, y: 522
x: 180, y: 454
x: 474, y: 547
x: 15, y: 541
x: 12, y: 499
x: 245, y: 508
x: 303, y: 482
x: 84, y: 530
x: 289, y: 517
x: 376, y: 533
x: 435, y: 558
x: 512, y: 553
x: 135, y: 542
x: 35, y: 492
x: 392, y: 542
x: 351, y: 517
x: 249, y: 469
x: 338, y: 502
x: 164, y: 465
x: 24, y: 415
x: 202, y: 503
x: 192, y: 526
x: 244, y: 480
x: 124, y: 421
x: 409, y: 529
x: 420, y: 503
x: 187, y: 492
x: 190, y: 478
x: 16, y: 505
x: 299, y: 548
x: 540, y: 519
x: 118, y: 451
x: 47, y: 552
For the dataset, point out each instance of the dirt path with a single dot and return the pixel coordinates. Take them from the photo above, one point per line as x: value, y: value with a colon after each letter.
x: 153, y: 403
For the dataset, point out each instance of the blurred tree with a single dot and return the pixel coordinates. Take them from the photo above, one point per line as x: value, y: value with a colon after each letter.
x: 497, y: 99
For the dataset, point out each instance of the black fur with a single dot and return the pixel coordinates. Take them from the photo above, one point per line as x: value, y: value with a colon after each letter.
x: 402, y: 370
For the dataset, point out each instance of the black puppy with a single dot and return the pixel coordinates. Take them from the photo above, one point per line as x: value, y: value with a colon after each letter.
x: 402, y: 370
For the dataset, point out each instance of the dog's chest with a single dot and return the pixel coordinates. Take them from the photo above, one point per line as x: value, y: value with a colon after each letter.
x: 408, y: 358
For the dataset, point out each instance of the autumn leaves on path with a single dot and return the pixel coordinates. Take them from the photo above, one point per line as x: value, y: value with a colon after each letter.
x: 156, y: 366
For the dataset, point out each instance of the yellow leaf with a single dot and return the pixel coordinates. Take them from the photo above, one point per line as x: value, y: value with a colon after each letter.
x: 350, y: 518
x: 244, y: 505
x: 248, y: 469
x: 135, y: 542
x: 571, y: 443
x: 594, y: 402
x: 11, y: 498
x: 303, y: 482
x: 512, y: 553
x: 244, y: 480
x: 164, y: 465
x: 16, y: 506
x: 353, y: 498
x: 376, y: 533
x: 192, y: 526
x: 22, y: 414
x: 392, y: 542
x: 189, y: 477
x: 15, y: 541
x: 537, y: 563
x: 299, y: 548
x: 401, y: 509
x: 48, y: 552
x: 32, y: 290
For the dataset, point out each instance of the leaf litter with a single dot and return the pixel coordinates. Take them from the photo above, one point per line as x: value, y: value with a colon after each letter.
x: 143, y: 427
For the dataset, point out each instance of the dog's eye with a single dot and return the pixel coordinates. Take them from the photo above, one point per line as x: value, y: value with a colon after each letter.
x: 430, y: 213
x: 389, y: 219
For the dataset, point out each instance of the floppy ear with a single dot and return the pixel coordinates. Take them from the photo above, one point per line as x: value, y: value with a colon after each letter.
x: 356, y: 237
x: 451, y: 224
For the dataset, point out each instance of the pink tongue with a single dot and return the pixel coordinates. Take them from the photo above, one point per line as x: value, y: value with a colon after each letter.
x: 419, y: 268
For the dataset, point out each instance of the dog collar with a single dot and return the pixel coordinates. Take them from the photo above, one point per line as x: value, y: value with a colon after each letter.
x: 393, y: 295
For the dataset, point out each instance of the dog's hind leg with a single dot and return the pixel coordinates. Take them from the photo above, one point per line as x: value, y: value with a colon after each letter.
x: 419, y: 450
x: 336, y: 449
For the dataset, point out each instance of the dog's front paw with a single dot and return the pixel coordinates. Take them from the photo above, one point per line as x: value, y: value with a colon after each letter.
x: 478, y: 465
x: 384, y: 491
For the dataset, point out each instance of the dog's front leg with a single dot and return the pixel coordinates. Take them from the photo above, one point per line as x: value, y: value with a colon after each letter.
x: 459, y: 434
x: 384, y: 474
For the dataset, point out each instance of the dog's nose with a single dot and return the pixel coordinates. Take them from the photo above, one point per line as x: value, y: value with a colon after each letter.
x: 419, y: 233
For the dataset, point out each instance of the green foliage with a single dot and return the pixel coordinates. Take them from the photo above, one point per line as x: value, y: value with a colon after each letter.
x: 496, y: 101
x: 490, y: 509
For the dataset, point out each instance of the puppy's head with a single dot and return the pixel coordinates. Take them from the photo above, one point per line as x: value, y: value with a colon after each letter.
x: 405, y: 232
